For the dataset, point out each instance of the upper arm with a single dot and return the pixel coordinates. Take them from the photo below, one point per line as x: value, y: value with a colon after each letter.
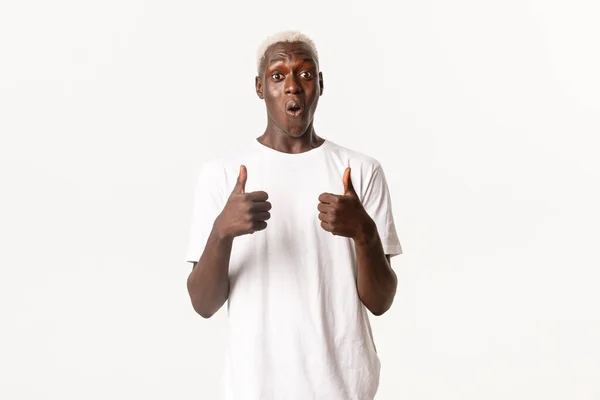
x: 377, y: 202
x: 207, y: 204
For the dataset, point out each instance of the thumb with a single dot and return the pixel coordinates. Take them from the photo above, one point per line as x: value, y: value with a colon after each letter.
x: 348, y: 187
x: 240, y: 185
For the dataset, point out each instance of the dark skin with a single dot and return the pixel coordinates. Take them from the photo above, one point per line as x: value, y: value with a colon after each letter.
x: 290, y: 83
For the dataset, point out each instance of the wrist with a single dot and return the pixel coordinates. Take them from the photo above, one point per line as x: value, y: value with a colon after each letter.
x: 367, y: 232
x: 221, y: 233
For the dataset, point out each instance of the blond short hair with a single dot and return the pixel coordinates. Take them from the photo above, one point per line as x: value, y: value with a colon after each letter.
x: 284, y: 36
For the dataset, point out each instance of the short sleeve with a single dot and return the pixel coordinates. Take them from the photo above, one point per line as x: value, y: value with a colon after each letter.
x: 378, y: 204
x: 208, y: 202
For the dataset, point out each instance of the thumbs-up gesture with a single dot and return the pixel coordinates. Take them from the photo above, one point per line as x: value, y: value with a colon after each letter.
x: 344, y: 215
x: 244, y: 213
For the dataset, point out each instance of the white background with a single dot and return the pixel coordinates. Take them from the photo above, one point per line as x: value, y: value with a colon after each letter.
x: 485, y: 116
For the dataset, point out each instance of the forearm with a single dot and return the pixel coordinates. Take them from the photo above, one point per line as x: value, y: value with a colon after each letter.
x: 208, y: 283
x: 376, y: 281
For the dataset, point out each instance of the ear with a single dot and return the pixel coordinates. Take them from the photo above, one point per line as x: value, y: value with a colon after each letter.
x: 259, y: 87
x: 321, y: 83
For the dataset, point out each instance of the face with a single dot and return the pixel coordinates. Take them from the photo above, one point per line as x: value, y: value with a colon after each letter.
x: 290, y: 84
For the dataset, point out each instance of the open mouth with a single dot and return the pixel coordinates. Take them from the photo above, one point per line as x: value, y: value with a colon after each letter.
x: 294, y: 109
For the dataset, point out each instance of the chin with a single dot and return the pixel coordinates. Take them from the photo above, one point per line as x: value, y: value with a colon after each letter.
x: 296, y: 134
x: 296, y: 131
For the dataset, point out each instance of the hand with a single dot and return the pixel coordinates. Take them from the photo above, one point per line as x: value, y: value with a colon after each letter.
x: 244, y: 213
x: 344, y: 215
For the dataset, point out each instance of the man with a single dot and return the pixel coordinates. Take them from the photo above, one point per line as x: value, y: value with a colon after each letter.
x: 299, y: 277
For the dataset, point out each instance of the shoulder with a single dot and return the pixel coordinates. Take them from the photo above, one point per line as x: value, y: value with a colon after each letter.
x: 220, y: 171
x: 355, y: 158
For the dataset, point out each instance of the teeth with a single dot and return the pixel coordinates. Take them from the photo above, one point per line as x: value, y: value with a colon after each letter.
x: 293, y: 106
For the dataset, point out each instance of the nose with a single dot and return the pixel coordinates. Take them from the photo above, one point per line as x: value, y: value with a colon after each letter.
x: 292, y: 86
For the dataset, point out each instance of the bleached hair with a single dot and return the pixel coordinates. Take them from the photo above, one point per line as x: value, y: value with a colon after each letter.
x: 284, y: 36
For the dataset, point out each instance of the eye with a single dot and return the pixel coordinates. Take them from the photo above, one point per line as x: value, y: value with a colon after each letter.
x: 307, y: 75
x: 276, y: 76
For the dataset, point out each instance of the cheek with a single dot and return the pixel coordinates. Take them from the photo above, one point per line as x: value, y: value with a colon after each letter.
x: 272, y: 89
x: 313, y: 102
x: 271, y: 100
x: 312, y: 93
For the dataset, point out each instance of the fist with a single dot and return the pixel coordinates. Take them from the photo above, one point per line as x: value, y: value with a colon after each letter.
x: 244, y: 213
x: 344, y: 215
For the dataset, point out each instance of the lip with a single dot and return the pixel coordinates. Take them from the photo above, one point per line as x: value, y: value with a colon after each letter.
x: 294, y: 109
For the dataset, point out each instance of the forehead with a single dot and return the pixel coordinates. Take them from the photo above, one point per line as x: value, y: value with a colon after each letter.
x: 288, y: 51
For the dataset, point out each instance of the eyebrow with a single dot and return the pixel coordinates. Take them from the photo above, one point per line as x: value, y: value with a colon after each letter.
x: 282, y: 59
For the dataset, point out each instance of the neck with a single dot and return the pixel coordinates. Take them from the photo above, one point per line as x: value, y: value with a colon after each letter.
x: 278, y: 140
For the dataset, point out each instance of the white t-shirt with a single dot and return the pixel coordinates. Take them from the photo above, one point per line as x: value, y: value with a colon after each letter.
x: 297, y: 328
